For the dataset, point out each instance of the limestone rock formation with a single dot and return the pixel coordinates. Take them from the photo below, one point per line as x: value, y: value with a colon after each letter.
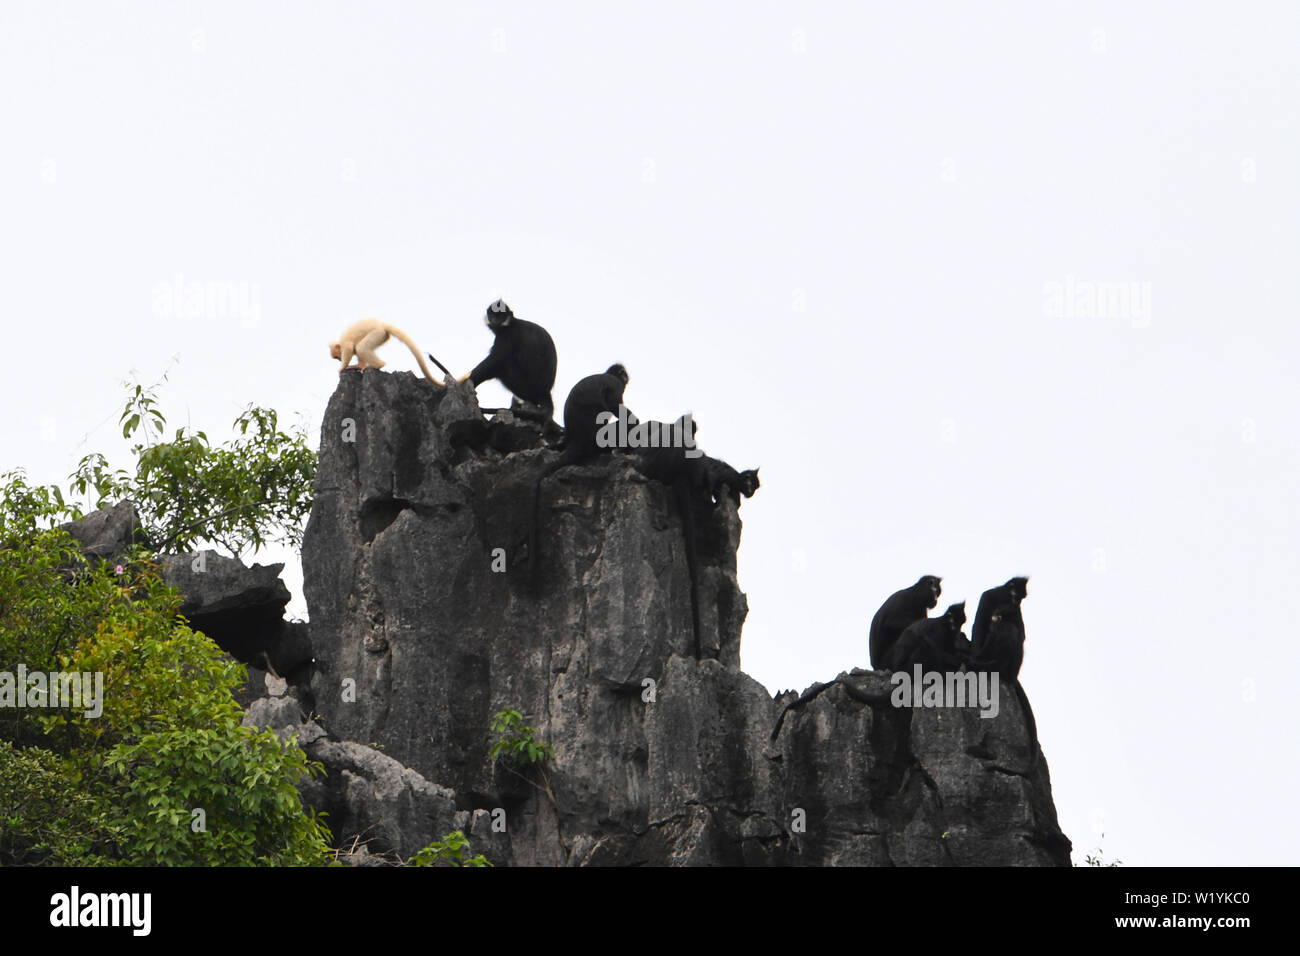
x: 107, y: 533
x: 240, y: 608
x: 424, y: 625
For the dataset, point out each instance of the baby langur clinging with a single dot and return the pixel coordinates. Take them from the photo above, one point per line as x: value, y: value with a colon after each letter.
x: 362, y: 338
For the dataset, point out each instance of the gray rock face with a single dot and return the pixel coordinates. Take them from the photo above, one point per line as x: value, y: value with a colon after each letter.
x: 424, y: 625
x: 386, y: 804
x: 242, y: 609
x: 914, y: 786
x: 239, y: 607
x: 106, y: 533
x: 213, y: 583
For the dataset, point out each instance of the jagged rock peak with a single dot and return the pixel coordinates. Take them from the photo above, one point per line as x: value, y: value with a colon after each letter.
x: 424, y: 625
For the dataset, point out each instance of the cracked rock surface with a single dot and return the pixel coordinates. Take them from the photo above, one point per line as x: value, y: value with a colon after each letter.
x: 424, y: 625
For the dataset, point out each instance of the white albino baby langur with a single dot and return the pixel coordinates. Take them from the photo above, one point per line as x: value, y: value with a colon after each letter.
x: 362, y: 338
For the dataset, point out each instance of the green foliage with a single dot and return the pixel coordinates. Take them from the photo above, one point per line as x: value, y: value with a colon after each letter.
x: 50, y: 599
x: 245, y: 494
x: 520, y: 747
x: 449, y: 851
x: 518, y: 743
x: 121, y: 788
x: 43, y: 819
x: 243, y: 782
x: 1096, y: 859
x: 28, y: 509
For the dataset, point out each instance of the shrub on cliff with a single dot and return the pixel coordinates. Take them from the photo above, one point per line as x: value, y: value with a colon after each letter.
x: 153, y: 766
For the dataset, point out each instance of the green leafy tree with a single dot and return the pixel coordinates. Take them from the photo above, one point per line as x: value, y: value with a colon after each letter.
x: 519, y: 752
x: 165, y: 774
x: 449, y: 851
x: 123, y: 787
x: 46, y: 819
x: 254, y: 490
x: 517, y: 743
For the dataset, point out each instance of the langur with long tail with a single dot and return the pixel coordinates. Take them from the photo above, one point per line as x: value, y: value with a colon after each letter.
x: 364, y: 337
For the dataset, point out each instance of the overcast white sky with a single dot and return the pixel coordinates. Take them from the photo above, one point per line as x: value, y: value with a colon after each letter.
x: 835, y: 234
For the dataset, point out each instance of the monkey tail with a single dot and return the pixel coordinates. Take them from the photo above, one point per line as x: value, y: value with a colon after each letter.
x: 692, y: 565
x: 804, y: 698
x: 532, y: 527
x: 776, y: 731
x: 406, y: 340
x: 1031, y: 723
x: 441, y: 367
x: 564, y: 459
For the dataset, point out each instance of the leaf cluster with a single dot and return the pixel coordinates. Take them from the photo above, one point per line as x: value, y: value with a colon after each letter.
x: 123, y: 787
x: 251, y: 491
x: 1097, y: 859
x: 518, y: 742
x: 449, y: 851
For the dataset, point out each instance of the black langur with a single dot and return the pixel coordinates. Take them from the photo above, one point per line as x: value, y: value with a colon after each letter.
x: 1002, y: 650
x: 961, y: 647
x: 582, y: 410
x: 724, y: 480
x: 1011, y: 594
x: 671, y: 462
x: 932, y: 642
x: 712, y: 476
x: 899, y: 610
x: 587, y: 400
x: 522, y: 357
